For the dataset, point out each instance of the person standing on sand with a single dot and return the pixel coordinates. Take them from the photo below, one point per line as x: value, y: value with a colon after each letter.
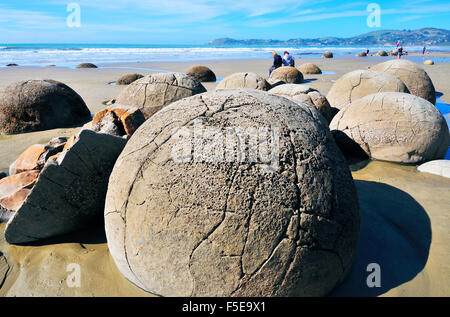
x: 424, y: 49
x: 400, y: 52
x: 288, y: 59
x: 277, y: 62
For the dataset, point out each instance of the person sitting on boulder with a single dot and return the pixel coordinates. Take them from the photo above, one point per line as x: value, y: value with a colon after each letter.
x: 400, y: 52
x: 288, y: 59
x: 277, y: 62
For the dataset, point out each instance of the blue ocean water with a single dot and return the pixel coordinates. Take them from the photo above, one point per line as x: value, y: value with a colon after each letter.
x: 70, y: 55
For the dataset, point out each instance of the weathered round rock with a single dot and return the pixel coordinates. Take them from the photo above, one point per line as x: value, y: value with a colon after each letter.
x: 286, y: 75
x: 360, y: 83
x: 36, y: 105
x: 327, y: 54
x: 305, y: 93
x: 244, y: 80
x: 128, y: 79
x: 394, y: 127
x: 382, y: 53
x: 438, y: 167
x: 151, y: 93
x: 428, y: 62
x: 414, y: 77
x: 87, y: 65
x: 186, y: 216
x: 309, y: 68
x: 201, y: 73
x: 362, y: 54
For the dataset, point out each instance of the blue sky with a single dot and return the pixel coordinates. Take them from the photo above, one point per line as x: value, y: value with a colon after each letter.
x: 197, y: 22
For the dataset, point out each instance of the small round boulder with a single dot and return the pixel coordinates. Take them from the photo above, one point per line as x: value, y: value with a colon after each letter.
x: 414, y: 77
x: 309, y: 68
x: 382, y: 53
x: 394, y: 127
x: 128, y: 79
x: 327, y: 54
x: 428, y: 62
x: 362, y: 54
x: 360, y: 83
x: 151, y: 93
x: 306, y: 94
x: 286, y: 75
x: 201, y: 73
x: 87, y: 65
x: 183, y: 220
x: 244, y: 80
x: 36, y: 105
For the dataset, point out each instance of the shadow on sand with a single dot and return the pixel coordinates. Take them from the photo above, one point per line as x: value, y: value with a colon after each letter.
x: 395, y: 233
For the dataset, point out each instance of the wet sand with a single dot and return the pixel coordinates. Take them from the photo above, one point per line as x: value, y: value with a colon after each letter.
x: 405, y: 213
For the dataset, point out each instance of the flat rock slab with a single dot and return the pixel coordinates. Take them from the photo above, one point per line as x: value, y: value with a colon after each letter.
x: 438, y: 167
x: 70, y: 192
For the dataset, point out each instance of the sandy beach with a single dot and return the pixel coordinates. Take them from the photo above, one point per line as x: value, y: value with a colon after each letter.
x: 405, y: 216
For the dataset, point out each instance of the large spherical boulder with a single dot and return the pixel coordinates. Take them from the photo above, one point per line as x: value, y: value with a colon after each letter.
x: 414, y: 77
x: 306, y: 94
x: 87, y: 65
x: 201, y: 73
x: 244, y: 80
x: 183, y: 220
x: 153, y: 92
x: 286, y: 75
x: 382, y: 53
x: 360, y: 83
x: 309, y: 68
x: 394, y: 127
x: 128, y: 79
x: 362, y: 54
x: 327, y: 54
x: 36, y: 105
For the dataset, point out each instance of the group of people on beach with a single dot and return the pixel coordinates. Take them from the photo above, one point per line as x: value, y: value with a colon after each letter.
x: 278, y: 61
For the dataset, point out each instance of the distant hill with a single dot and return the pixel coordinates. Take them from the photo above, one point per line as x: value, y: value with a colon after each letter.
x: 429, y: 36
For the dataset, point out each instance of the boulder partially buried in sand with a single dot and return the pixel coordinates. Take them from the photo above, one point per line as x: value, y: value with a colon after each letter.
x: 128, y: 79
x: 438, y: 167
x: 394, y: 127
x: 36, y: 105
x: 360, y: 83
x: 310, y: 69
x: 285, y: 224
x: 306, y: 94
x: 428, y: 62
x: 244, y: 80
x: 151, y: 93
x: 87, y: 65
x: 69, y: 193
x: 286, y: 75
x: 327, y: 54
x: 414, y: 77
x: 382, y: 53
x: 201, y: 73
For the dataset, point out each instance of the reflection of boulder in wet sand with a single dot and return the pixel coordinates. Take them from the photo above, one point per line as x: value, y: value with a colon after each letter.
x: 286, y: 75
x: 201, y: 73
x: 395, y: 234
x: 309, y: 68
x: 438, y: 167
x: 128, y: 79
x: 153, y: 92
x: 203, y: 227
x: 327, y: 54
x: 70, y: 191
x: 244, y: 80
x: 360, y: 83
x: 395, y: 127
x: 117, y: 120
x: 87, y: 65
x: 37, y: 105
x: 306, y: 94
x: 414, y: 77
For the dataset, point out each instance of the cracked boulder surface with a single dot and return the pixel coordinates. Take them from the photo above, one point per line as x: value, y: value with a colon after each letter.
x: 201, y: 73
x: 360, y: 83
x: 151, y: 93
x: 238, y: 227
x: 70, y: 191
x: 36, y: 105
x: 244, y: 80
x: 414, y: 77
x: 287, y: 75
x: 309, y: 68
x: 305, y: 93
x: 394, y: 127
